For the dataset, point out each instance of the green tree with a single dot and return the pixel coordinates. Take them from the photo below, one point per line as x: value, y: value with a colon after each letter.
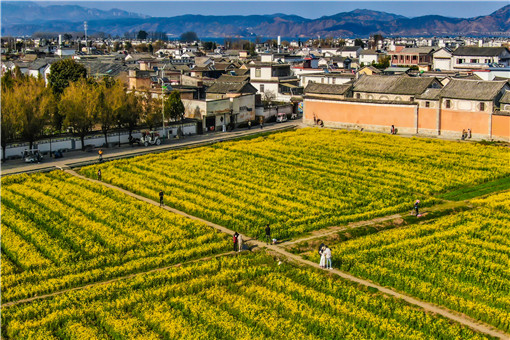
x: 209, y: 45
x: 9, y: 118
x: 61, y: 74
x: 174, y: 106
x: 129, y: 115
x: 79, y: 105
x: 151, y: 110
x: 142, y: 35
x: 359, y: 42
x: 188, y: 37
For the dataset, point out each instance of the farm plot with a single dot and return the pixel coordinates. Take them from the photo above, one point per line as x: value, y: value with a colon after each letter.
x: 459, y: 261
x: 59, y: 231
x: 307, y: 179
x: 249, y: 296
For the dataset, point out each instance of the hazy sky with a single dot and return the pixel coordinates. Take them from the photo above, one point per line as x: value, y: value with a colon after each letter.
x: 306, y: 9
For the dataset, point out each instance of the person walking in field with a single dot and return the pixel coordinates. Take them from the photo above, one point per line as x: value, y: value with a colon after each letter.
x: 240, y: 242
x: 327, y: 254
x: 161, y: 197
x: 322, y: 262
x: 235, y: 238
x: 99, y: 174
x: 268, y: 234
x: 416, y: 208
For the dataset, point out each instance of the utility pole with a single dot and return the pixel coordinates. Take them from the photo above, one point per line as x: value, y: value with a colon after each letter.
x: 86, y: 45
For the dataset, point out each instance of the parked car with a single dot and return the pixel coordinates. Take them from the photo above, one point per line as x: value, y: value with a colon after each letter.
x: 150, y: 138
x: 32, y: 156
x: 281, y: 117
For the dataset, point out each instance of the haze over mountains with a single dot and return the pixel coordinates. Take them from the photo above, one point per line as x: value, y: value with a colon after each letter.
x: 27, y: 18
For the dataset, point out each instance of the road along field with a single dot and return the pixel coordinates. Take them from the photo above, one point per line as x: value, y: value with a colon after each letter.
x: 307, y: 179
x: 459, y: 261
x: 59, y: 231
x: 251, y: 296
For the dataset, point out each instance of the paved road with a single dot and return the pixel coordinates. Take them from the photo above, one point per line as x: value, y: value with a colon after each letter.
x: 77, y: 158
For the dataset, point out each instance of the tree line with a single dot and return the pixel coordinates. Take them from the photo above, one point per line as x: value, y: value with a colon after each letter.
x: 31, y: 110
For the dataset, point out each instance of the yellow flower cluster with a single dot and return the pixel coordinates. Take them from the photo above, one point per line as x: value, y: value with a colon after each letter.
x: 59, y: 231
x: 307, y: 179
x: 460, y: 261
x: 242, y: 297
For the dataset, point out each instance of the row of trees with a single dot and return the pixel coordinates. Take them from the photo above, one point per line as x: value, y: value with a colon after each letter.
x: 31, y: 110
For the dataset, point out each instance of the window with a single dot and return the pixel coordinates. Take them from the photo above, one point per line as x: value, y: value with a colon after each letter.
x: 460, y: 61
x: 482, y: 106
x: 487, y: 61
x: 358, y: 96
x: 257, y: 72
x: 427, y: 104
x: 414, y: 57
x: 261, y: 88
x: 333, y: 80
x: 474, y: 61
x: 411, y: 99
x: 447, y: 103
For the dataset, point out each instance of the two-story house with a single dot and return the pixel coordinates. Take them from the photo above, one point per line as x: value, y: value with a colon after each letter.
x: 413, y: 56
x: 472, y: 58
x: 274, y: 80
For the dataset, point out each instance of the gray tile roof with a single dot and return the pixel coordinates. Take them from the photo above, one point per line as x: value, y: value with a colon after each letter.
x: 417, y: 50
x: 479, y: 51
x: 317, y: 88
x: 231, y: 87
x: 431, y: 94
x: 506, y: 97
x: 229, y: 78
x: 402, y: 84
x: 472, y: 89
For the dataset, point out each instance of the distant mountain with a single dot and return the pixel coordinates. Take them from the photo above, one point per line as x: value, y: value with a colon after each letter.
x: 26, y: 18
x: 22, y: 12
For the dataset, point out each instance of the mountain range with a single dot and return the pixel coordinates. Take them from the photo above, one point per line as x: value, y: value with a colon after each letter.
x: 27, y: 18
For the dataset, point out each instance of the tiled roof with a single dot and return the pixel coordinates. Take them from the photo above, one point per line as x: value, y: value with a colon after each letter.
x: 231, y: 87
x: 479, y: 51
x: 402, y: 84
x: 506, y: 97
x: 472, y: 89
x: 317, y: 88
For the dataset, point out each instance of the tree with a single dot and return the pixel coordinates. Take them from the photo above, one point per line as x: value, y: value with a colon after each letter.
x: 174, y: 106
x: 63, y: 72
x: 151, y: 110
x: 9, y: 117
x: 188, y: 37
x: 79, y: 105
x: 67, y: 36
x: 359, y: 42
x: 142, y: 35
x: 209, y: 45
x: 130, y: 113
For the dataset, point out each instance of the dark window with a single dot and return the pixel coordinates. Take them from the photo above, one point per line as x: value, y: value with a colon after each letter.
x: 482, y: 106
x: 358, y: 95
x: 447, y: 103
x: 411, y: 99
x: 427, y: 104
x: 261, y: 88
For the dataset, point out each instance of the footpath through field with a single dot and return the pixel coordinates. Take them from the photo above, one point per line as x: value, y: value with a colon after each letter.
x: 429, y: 307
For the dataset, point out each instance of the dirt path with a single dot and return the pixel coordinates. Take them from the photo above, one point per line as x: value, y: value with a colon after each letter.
x: 13, y: 303
x: 429, y: 307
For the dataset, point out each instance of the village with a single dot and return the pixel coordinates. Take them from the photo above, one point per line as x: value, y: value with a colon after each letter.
x: 446, y: 87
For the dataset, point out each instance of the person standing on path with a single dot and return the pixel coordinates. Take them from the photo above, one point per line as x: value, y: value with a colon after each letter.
x: 240, y: 242
x: 249, y: 125
x: 100, y: 153
x: 322, y: 262
x: 161, y: 197
x: 268, y: 234
x: 99, y: 174
x: 235, y: 238
x: 416, y: 207
x: 327, y: 253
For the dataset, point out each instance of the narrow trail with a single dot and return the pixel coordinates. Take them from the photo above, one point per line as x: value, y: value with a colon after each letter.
x: 40, y: 297
x: 429, y: 307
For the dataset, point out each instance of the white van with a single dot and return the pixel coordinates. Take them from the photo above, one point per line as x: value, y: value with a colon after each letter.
x: 281, y: 117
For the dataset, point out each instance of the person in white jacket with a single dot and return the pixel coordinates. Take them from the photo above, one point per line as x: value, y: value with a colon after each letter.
x: 240, y: 242
x: 327, y: 253
x: 322, y: 252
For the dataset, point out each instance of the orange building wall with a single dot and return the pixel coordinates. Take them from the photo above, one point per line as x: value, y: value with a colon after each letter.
x: 452, y: 120
x: 356, y: 113
x: 501, y: 126
x: 427, y: 119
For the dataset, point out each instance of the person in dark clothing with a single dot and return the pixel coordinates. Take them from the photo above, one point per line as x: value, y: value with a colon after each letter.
x: 393, y: 129
x: 416, y: 208
x: 99, y: 174
x: 268, y: 234
x: 161, y: 196
x: 249, y: 124
x: 235, y: 238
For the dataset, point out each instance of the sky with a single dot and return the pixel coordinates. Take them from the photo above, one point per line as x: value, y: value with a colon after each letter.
x: 306, y: 9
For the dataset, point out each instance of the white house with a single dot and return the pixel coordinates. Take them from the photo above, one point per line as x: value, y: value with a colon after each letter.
x: 442, y: 60
x: 479, y: 57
